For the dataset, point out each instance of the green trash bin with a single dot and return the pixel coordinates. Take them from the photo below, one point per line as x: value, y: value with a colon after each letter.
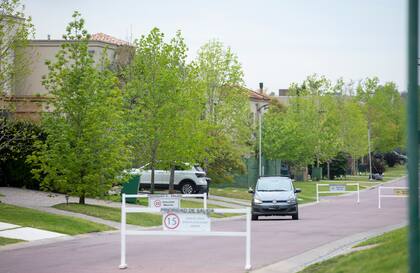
x: 131, y: 187
x: 316, y: 173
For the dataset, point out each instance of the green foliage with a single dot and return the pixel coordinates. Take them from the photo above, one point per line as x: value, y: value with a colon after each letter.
x: 85, y: 147
x: 226, y: 109
x: 286, y: 136
x: 384, y: 109
x: 164, y: 103
x: 323, y: 119
x: 17, y: 140
x: 15, y: 30
x: 338, y: 166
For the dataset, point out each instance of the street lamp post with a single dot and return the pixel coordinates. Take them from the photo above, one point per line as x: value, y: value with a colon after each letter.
x: 370, y: 155
x: 260, y: 138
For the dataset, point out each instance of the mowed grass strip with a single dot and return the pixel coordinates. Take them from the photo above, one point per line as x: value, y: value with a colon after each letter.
x: 38, y: 219
x: 231, y: 192
x: 7, y: 241
x: 113, y: 214
x: 390, y: 255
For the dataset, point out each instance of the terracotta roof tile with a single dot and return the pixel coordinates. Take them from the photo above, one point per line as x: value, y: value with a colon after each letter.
x: 257, y: 95
x: 108, y: 39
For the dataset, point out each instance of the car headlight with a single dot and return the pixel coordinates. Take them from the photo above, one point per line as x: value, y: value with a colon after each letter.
x: 291, y: 200
x: 257, y: 201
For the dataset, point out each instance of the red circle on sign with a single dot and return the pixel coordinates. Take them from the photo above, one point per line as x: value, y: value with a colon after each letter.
x: 157, y: 203
x: 174, y: 218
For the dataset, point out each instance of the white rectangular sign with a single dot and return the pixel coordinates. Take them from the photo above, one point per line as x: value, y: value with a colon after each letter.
x: 167, y: 201
x: 196, y: 220
x: 337, y: 187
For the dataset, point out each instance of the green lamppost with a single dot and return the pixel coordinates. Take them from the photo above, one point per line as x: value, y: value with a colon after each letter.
x: 413, y: 137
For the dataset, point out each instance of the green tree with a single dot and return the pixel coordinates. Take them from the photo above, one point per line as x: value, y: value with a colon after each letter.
x: 85, y: 148
x: 226, y: 109
x: 353, y: 129
x: 15, y: 30
x: 286, y: 136
x: 165, y: 102
x: 385, y: 113
x: 323, y: 117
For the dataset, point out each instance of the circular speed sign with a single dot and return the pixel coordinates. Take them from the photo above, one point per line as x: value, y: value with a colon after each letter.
x: 171, y: 221
x: 157, y: 203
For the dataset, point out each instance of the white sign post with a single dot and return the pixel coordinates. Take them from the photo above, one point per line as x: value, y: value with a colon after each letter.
x: 183, y: 222
x: 337, y: 188
x: 400, y: 192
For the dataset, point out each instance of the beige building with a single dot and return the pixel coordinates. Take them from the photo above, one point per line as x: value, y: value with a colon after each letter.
x: 30, y: 96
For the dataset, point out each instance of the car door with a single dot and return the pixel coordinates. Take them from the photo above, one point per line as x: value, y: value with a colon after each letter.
x: 164, y: 177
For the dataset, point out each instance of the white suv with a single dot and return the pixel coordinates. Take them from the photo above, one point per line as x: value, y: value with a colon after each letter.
x: 191, y: 179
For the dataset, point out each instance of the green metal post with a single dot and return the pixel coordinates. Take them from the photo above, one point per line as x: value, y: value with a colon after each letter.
x: 413, y: 138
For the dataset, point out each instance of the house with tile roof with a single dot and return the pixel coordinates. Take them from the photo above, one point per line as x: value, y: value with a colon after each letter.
x: 30, y: 96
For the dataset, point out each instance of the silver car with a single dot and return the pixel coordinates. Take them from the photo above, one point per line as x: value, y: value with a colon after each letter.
x: 274, y: 195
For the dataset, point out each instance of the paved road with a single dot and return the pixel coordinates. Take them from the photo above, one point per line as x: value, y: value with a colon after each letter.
x: 272, y: 241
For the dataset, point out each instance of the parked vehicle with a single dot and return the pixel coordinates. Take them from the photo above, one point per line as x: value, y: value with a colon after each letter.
x: 274, y: 195
x: 188, y: 179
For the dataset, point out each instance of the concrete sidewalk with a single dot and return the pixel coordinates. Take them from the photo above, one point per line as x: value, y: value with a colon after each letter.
x: 26, y: 233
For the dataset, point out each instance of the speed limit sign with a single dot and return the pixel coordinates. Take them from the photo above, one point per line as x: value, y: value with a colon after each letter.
x: 157, y: 203
x: 171, y: 221
x: 186, y: 220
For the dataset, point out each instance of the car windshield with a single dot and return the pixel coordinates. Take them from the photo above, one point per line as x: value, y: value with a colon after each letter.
x: 274, y: 185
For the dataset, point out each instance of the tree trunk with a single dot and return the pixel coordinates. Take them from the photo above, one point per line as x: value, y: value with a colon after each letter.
x: 152, y: 178
x: 172, y: 179
x: 82, y: 199
x: 353, y: 166
x: 328, y: 170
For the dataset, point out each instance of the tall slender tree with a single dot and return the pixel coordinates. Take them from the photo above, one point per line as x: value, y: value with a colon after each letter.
x: 85, y: 149
x: 165, y: 102
x: 226, y: 109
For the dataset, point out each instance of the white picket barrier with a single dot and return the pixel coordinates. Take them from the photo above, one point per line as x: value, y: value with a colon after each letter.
x: 196, y: 195
x: 125, y: 232
x: 390, y: 195
x: 318, y: 192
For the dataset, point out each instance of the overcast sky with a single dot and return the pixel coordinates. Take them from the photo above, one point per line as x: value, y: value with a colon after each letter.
x: 277, y: 42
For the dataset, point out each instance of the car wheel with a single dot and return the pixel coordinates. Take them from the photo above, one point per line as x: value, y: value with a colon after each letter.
x: 254, y: 217
x: 188, y: 188
x: 295, y: 216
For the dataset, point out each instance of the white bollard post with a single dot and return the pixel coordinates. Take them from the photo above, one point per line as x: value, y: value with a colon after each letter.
x: 123, y: 263
x: 205, y: 200
x: 248, y: 240
x: 379, y: 197
x: 317, y: 194
x: 358, y: 193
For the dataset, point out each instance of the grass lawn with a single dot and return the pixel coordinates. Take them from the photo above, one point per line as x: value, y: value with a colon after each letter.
x: 232, y: 192
x: 6, y: 241
x: 48, y: 221
x: 113, y: 214
x: 308, y: 193
x: 390, y: 255
x: 308, y: 188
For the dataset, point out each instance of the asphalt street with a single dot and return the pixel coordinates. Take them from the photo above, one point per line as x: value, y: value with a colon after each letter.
x: 273, y: 240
